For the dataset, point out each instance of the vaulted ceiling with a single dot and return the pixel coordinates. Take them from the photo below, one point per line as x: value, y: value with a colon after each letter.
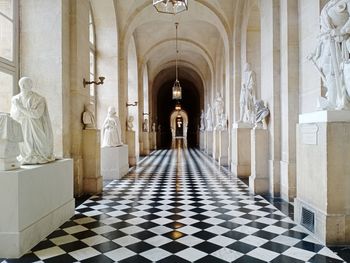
x: 203, y: 30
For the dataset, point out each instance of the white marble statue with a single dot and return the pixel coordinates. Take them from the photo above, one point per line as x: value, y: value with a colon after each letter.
x: 154, y: 127
x: 219, y: 112
x: 130, y: 123
x: 112, y: 135
x: 145, y: 127
x: 247, y: 96
x: 331, y: 57
x: 262, y: 112
x: 209, y: 119
x: 202, y: 121
x: 30, y: 110
x: 89, y: 117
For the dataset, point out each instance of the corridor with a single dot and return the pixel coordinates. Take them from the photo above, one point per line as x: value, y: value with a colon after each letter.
x: 178, y: 206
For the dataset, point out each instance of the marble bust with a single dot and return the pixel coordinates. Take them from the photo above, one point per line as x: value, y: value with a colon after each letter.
x: 89, y: 117
x: 153, y: 127
x: 145, y: 125
x: 111, y: 130
x: 129, y: 123
x: 30, y: 110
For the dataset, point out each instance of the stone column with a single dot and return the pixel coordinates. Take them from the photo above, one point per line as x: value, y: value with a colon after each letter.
x: 323, y: 181
x: 92, y: 181
x: 259, y: 179
x: 240, y: 165
x: 130, y: 138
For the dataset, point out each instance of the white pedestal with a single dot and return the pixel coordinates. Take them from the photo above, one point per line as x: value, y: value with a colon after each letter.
x: 210, y: 142
x: 240, y: 155
x: 153, y: 140
x: 114, y: 162
x: 201, y: 141
x: 146, y: 144
x: 216, y: 145
x: 92, y: 182
x: 224, y: 148
x: 34, y: 201
x: 259, y: 179
x: 130, y: 138
x: 323, y: 179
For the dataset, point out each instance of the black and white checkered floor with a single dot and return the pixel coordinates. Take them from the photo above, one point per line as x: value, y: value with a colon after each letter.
x: 178, y: 206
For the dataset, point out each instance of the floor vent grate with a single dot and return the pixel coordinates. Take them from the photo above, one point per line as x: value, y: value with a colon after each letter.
x: 308, y: 219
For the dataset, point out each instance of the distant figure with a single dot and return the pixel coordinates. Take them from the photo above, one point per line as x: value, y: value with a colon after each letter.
x: 219, y: 111
x: 111, y: 130
x: 145, y: 125
x: 89, y: 117
x: 153, y: 127
x: 30, y: 110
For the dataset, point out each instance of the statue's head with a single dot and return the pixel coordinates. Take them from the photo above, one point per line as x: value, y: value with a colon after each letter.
x: 247, y: 66
x: 25, y: 84
x: 89, y: 107
x: 111, y: 110
x: 131, y: 118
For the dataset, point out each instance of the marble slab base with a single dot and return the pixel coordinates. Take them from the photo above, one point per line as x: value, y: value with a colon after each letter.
x: 114, y: 162
x: 34, y: 201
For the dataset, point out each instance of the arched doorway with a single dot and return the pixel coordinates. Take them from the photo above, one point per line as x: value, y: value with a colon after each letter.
x: 179, y: 124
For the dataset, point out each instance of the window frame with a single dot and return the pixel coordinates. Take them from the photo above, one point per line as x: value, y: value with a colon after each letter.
x: 92, y: 50
x: 8, y: 66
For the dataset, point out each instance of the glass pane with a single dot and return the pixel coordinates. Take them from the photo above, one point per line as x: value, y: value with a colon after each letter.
x: 91, y: 34
x: 6, y: 91
x: 92, y: 90
x: 6, y: 38
x: 6, y: 7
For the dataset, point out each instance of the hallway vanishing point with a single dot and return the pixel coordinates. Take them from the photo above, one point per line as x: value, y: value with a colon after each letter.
x: 178, y: 206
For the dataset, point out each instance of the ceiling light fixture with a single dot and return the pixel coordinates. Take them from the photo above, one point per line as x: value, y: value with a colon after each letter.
x: 177, y: 91
x: 170, y: 6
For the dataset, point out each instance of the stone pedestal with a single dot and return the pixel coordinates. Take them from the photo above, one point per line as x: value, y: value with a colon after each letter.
x: 216, y: 145
x: 92, y: 182
x: 201, y: 140
x: 153, y: 141
x: 130, y: 138
x: 224, y: 148
x: 259, y: 178
x: 114, y: 162
x: 210, y: 142
x: 145, y: 144
x: 323, y: 175
x: 240, y: 155
x: 34, y: 201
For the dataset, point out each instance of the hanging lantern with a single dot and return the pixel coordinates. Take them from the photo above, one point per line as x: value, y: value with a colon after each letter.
x: 170, y: 6
x: 177, y: 91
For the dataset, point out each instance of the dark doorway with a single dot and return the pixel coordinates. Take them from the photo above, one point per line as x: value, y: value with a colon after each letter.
x: 179, y: 132
x: 165, y: 106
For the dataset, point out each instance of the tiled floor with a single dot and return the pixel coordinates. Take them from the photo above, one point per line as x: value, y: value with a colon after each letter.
x: 178, y: 206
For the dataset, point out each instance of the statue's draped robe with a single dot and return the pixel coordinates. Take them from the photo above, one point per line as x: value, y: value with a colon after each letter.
x: 34, y: 118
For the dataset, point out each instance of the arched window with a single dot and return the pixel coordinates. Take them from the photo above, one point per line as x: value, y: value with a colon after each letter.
x: 92, y: 43
x: 8, y: 52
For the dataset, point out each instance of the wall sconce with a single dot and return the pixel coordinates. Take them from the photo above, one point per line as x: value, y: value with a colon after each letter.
x: 131, y: 104
x: 94, y: 82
